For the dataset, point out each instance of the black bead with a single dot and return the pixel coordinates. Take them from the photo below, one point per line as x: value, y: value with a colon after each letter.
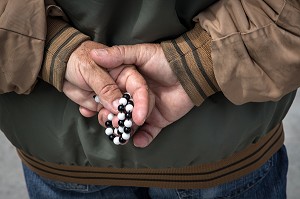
x: 130, y: 102
x: 111, y: 137
x: 121, y: 108
x: 122, y: 140
x: 128, y: 115
x: 126, y: 96
x: 108, y: 123
x: 121, y: 122
x: 127, y: 129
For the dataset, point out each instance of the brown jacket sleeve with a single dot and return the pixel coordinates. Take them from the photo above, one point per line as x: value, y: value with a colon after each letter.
x: 61, y: 41
x: 254, y: 49
x: 36, y: 41
x: 22, y: 39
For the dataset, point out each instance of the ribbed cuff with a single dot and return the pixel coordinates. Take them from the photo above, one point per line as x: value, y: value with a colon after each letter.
x: 190, y: 59
x: 61, y: 41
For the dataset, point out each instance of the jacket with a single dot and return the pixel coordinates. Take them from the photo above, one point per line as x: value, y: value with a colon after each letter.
x: 217, y: 51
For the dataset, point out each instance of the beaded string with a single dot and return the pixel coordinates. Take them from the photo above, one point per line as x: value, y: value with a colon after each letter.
x: 120, y: 134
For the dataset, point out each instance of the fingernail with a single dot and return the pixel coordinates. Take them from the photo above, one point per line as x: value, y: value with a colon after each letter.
x: 101, y: 52
x: 116, y: 104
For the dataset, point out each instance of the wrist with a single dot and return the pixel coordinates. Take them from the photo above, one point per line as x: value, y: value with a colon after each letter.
x: 61, y: 41
x: 190, y: 59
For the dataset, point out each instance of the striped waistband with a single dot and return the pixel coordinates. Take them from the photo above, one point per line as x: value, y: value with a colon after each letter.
x: 199, y: 176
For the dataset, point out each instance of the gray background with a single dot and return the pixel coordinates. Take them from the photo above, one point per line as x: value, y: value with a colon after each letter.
x: 12, y: 184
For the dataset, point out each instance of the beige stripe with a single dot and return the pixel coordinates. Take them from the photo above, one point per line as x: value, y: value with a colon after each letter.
x: 169, y: 51
x: 183, y: 45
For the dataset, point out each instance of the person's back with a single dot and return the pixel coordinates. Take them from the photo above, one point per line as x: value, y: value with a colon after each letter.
x: 215, y: 143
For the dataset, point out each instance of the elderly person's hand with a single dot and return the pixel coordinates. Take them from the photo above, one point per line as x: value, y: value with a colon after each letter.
x: 84, y: 79
x: 171, y: 101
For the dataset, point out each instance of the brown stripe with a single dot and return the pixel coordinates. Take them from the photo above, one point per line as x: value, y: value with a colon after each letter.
x: 52, y: 46
x: 61, y: 42
x: 202, y: 42
x: 54, y: 27
x: 190, y: 58
x: 201, y: 176
x: 178, y: 69
x: 188, y: 71
x: 193, y: 67
x: 195, y: 71
x: 56, y: 54
x: 198, y: 61
x: 53, y: 37
x: 209, y: 168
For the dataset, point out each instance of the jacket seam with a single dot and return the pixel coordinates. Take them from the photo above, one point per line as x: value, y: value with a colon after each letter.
x: 23, y: 34
x: 281, y: 10
x: 244, y: 33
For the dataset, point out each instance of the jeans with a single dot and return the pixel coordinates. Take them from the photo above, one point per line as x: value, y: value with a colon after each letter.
x: 267, y: 182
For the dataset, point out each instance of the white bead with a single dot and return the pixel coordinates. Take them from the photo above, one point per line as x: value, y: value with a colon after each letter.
x: 126, y: 136
x: 116, y: 141
x: 121, y: 116
x: 97, y: 99
x: 128, y: 123
x: 110, y: 117
x: 123, y: 101
x: 129, y: 108
x: 116, y: 131
x: 109, y: 131
x: 121, y: 129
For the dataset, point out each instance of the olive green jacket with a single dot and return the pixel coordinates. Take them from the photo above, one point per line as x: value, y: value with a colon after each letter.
x: 237, y: 60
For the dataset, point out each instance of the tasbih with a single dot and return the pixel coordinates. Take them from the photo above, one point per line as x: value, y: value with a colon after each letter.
x: 121, y: 134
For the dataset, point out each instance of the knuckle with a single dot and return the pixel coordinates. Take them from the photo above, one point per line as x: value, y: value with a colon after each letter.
x: 119, y: 49
x: 108, y: 91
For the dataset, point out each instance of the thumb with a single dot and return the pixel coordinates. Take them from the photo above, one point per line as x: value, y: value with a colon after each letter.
x: 118, y: 55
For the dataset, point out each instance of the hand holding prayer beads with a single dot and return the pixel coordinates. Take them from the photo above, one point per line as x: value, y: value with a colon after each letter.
x: 120, y: 134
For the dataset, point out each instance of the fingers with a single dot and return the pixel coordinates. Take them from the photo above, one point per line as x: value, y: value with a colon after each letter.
x: 133, y: 82
x: 149, y: 58
x: 83, y: 98
x: 145, y: 135
x: 83, y: 72
x: 118, y: 55
x: 104, y: 86
x: 151, y: 128
x: 86, y: 112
